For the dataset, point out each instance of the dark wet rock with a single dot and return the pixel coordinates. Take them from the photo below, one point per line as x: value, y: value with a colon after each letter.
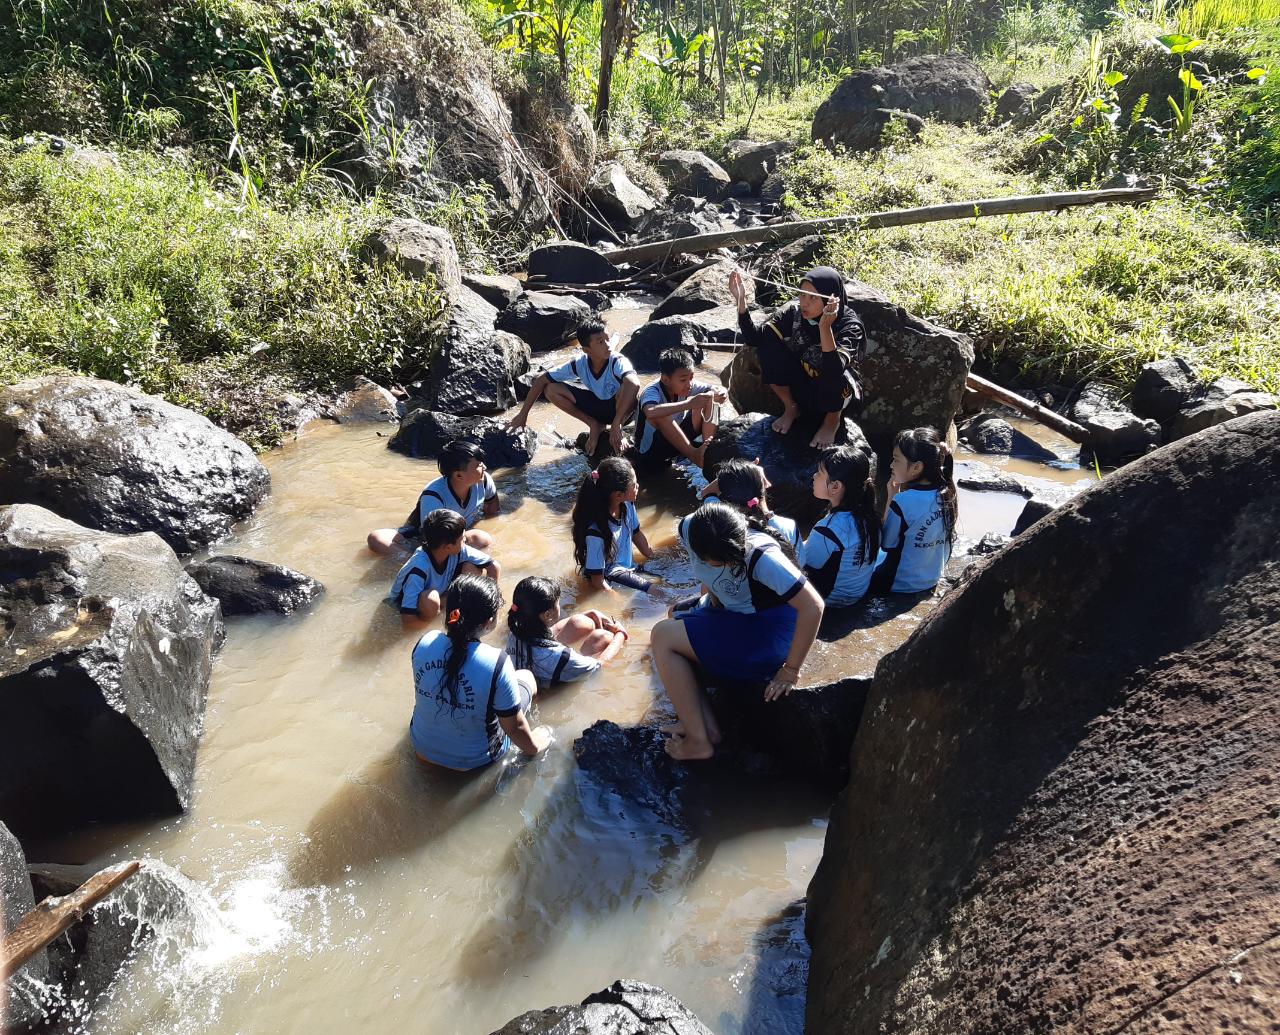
x: 1218, y: 402
x: 667, y: 223
x: 418, y: 248
x: 788, y: 261
x: 624, y: 1008
x: 1016, y: 102
x: 1045, y: 498
x: 1063, y: 788
x: 87, y: 960
x: 475, y: 369
x: 979, y: 477
x: 751, y: 161
x: 544, y: 320
x: 619, y: 200
x: 774, y: 187
x: 650, y: 340
x: 497, y: 289
x: 598, y: 300
x: 567, y: 262
x: 363, y: 402
x: 16, y: 901
x: 424, y: 433
x: 632, y: 761
x: 872, y: 130
x: 950, y: 87
x: 787, y: 459
x: 247, y: 587
x: 113, y: 458
x: 806, y: 734
x: 988, y: 433
x: 914, y: 371
x: 707, y: 288
x: 108, y: 651
x: 692, y: 172
x: 1163, y: 388
x: 1115, y: 432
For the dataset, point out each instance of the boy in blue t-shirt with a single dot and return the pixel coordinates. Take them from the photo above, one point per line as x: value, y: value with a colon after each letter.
x: 598, y: 388
x: 675, y: 411
x: 442, y: 557
x: 464, y: 486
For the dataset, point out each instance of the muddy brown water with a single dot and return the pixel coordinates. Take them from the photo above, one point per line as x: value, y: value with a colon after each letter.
x: 341, y: 886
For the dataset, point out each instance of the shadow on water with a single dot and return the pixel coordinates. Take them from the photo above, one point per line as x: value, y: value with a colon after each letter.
x: 775, y: 1003
x: 391, y: 808
x: 868, y: 613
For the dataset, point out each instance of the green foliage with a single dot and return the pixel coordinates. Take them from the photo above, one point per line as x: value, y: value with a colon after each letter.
x: 140, y: 271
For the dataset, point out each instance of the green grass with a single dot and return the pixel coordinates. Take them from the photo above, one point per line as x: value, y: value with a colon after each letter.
x: 1081, y: 294
x: 142, y: 272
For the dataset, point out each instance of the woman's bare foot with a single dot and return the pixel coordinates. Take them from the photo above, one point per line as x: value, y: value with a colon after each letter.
x: 683, y: 749
x: 593, y: 438
x: 783, y: 424
x: 822, y: 439
x: 672, y: 729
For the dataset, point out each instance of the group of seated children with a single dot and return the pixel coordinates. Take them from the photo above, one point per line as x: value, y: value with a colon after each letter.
x: 762, y: 586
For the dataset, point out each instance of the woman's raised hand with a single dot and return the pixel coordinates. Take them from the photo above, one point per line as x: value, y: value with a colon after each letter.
x: 829, y: 312
x: 738, y: 288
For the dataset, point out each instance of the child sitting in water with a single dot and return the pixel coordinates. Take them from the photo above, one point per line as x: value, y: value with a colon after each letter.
x: 744, y: 485
x: 470, y: 703
x: 544, y: 643
x: 598, y: 388
x: 840, y: 553
x: 464, y: 486
x: 921, y: 514
x: 442, y: 557
x: 675, y: 412
x: 605, y: 526
x: 761, y: 623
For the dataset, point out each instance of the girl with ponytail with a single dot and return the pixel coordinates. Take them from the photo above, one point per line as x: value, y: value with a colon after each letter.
x: 921, y: 514
x: 605, y: 527
x: 756, y: 622
x: 544, y: 643
x: 744, y: 485
x: 471, y: 704
x: 840, y: 553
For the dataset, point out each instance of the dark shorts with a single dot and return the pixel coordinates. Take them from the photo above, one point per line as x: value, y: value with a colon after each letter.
x: 602, y: 410
x: 662, y: 451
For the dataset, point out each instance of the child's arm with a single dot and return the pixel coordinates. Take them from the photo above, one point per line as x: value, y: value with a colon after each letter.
x: 530, y: 741
x: 642, y: 543
x: 535, y: 393
x: 426, y: 610
x: 809, y: 607
x: 598, y: 583
x: 493, y: 569
x: 492, y: 506
x: 625, y: 405
x: 611, y: 651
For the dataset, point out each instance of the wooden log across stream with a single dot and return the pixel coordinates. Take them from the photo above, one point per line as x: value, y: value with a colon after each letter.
x: 54, y: 915
x: 1027, y: 408
x: 778, y: 232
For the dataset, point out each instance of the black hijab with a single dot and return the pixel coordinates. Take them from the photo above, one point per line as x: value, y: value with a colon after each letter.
x: 847, y: 330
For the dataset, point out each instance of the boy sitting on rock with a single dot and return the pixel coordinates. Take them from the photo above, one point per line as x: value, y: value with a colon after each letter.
x: 676, y: 412
x: 441, y: 558
x: 598, y: 388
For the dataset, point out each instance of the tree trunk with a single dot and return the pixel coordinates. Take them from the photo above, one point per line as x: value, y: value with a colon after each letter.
x: 610, y: 31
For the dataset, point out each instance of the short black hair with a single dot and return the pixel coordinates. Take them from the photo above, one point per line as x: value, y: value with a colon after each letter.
x: 456, y: 455
x: 441, y: 528
x: 672, y: 360
x: 587, y: 330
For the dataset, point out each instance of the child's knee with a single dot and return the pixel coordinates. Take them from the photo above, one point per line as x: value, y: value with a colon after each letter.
x: 579, y: 626
x: 428, y: 608
x: 596, y: 642
x: 382, y: 540
x: 478, y: 539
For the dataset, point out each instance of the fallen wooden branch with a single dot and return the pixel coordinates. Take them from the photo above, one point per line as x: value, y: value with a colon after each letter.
x: 879, y: 220
x: 51, y: 917
x: 1035, y: 411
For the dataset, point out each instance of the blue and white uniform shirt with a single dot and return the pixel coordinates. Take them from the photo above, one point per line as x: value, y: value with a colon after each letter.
x: 603, y: 386
x: 915, y: 540
x: 831, y: 560
x: 439, y: 495
x: 766, y: 580
x: 550, y: 661
x: 654, y: 395
x: 420, y: 575
x: 623, y: 530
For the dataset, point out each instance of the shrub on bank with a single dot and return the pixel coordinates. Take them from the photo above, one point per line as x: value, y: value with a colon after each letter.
x: 138, y: 270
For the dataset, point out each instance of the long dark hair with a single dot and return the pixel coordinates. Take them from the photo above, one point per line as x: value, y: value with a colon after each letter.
x: 742, y: 486
x: 471, y: 602
x: 925, y: 446
x: 718, y: 532
x: 592, y: 506
x: 532, y: 596
x: 852, y: 468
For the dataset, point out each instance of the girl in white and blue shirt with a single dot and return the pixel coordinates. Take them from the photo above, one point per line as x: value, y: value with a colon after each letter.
x: 606, y: 527
x: 557, y: 649
x: 840, y: 553
x: 444, y: 554
x: 744, y: 485
x: 921, y: 514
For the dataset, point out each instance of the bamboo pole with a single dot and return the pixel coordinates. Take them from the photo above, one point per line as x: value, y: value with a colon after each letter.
x: 1035, y: 411
x: 879, y: 220
x: 51, y: 917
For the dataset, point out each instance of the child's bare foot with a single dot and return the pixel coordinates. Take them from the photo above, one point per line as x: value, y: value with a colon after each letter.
x: 783, y: 424
x: 593, y: 438
x: 676, y: 729
x: 672, y: 729
x: 684, y: 749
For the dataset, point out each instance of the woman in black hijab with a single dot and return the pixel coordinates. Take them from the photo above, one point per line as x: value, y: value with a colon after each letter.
x: 809, y: 352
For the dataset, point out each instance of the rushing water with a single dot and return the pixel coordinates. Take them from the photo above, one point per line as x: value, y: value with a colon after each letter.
x: 342, y: 886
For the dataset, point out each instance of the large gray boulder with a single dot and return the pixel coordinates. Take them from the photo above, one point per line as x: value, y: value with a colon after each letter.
x: 1016, y: 102
x: 108, y: 651
x: 245, y: 586
x: 1115, y: 432
x: 950, y: 87
x: 568, y: 262
x: 113, y: 458
x: 1219, y: 401
x: 751, y: 161
x: 624, y: 1008
x: 914, y: 371
x: 693, y: 173
x: 544, y: 320
x: 498, y: 289
x: 876, y: 129
x: 619, y: 200
x: 418, y: 248
x: 475, y: 369
x: 424, y: 433
x: 363, y: 402
x: 1062, y: 805
x: 706, y: 288
x: 19, y: 995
